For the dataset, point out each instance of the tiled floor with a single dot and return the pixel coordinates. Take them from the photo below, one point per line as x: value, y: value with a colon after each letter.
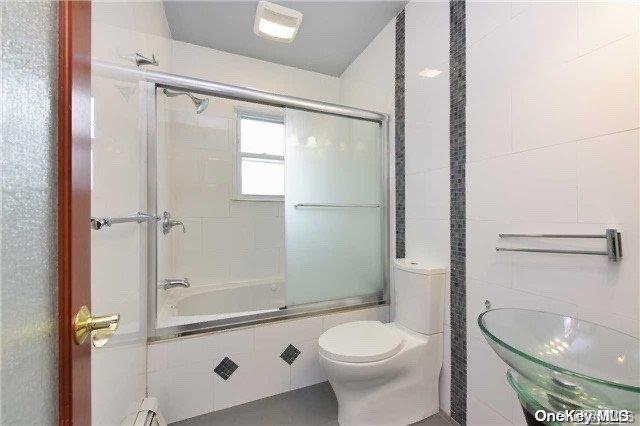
x: 312, y: 406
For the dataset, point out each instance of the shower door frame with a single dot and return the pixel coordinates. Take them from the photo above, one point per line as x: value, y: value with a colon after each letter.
x: 150, y: 82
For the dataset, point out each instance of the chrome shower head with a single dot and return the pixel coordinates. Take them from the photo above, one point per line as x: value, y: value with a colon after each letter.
x: 201, y: 103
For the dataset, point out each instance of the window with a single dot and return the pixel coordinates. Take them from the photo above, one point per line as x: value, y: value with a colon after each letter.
x: 260, y: 159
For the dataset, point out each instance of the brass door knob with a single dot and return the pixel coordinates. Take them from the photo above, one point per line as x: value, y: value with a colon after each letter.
x: 100, y: 328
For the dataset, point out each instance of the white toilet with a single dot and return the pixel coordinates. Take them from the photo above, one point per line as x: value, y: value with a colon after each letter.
x: 387, y: 374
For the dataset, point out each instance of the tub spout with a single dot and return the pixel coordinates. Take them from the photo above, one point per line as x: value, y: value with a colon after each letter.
x: 168, y: 283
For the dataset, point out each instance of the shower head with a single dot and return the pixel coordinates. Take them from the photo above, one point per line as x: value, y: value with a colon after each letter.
x: 201, y: 103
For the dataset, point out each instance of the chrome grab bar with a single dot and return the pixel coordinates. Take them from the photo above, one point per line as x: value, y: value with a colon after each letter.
x: 98, y: 223
x: 613, y: 237
x: 373, y: 206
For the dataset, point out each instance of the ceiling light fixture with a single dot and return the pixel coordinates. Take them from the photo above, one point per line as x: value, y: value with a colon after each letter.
x: 429, y: 73
x: 275, y: 22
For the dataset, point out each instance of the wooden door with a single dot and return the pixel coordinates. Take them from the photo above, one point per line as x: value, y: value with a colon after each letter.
x: 74, y: 202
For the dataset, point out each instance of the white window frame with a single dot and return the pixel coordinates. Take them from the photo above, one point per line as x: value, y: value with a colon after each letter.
x: 261, y: 116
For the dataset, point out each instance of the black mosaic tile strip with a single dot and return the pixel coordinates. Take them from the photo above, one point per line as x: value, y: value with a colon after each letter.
x: 290, y: 354
x: 226, y: 368
x: 457, y: 155
x: 399, y: 137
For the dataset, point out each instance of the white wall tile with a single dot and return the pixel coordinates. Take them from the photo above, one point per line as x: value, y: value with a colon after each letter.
x: 184, y: 391
x: 483, y: 261
x: 427, y: 146
x: 517, y: 7
x: 570, y: 70
x: 486, y: 377
x: 210, y: 346
x: 504, y: 297
x: 111, y: 365
x: 480, y: 414
x: 534, y: 185
x: 227, y: 234
x: 415, y: 191
x: 544, y: 35
x: 593, y: 95
x: 306, y: 369
x: 484, y: 17
x: 285, y: 332
x: 608, y: 178
x: 445, y: 374
x: 156, y: 357
x: 610, y: 319
x: 426, y: 99
x: 489, y: 96
x: 437, y: 194
x: 426, y: 34
x: 428, y: 240
x: 234, y: 390
x: 602, y: 22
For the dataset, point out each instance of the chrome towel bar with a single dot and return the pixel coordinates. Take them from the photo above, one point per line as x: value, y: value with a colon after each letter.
x: 612, y: 236
x: 98, y: 223
x: 373, y: 206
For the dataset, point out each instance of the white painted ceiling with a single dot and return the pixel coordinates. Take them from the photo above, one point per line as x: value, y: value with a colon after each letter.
x: 332, y: 34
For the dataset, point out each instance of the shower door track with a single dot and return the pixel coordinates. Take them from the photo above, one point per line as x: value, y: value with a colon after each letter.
x: 149, y: 82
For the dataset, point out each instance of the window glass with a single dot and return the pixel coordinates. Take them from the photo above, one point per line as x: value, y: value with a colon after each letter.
x: 262, y: 177
x: 261, y: 137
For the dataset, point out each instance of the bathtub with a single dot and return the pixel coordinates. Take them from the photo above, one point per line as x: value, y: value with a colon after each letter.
x: 211, y: 302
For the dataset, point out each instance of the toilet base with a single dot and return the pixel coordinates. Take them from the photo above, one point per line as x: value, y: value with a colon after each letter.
x: 397, y: 391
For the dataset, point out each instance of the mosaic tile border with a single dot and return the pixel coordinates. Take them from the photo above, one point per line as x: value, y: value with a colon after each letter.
x: 399, y: 136
x: 457, y: 155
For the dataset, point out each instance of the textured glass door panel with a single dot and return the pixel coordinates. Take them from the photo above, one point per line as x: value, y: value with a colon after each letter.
x: 333, y: 252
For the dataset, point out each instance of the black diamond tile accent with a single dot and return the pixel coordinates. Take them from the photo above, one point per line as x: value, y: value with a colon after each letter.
x: 226, y: 368
x: 290, y: 354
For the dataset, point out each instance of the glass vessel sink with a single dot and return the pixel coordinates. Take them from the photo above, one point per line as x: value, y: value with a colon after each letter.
x: 563, y: 363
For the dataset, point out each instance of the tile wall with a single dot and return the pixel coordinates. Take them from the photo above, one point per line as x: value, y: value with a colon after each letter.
x: 181, y: 372
x: 552, y: 147
x: 427, y: 149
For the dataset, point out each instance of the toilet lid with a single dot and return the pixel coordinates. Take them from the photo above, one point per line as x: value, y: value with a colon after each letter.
x: 360, y: 341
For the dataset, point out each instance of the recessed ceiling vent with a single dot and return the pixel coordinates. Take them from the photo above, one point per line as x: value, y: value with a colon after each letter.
x: 275, y: 22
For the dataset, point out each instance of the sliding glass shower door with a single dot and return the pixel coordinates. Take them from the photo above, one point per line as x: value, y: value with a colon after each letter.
x: 224, y: 253
x: 334, y: 208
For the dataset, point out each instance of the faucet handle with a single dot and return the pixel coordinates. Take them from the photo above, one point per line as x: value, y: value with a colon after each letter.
x: 168, y: 223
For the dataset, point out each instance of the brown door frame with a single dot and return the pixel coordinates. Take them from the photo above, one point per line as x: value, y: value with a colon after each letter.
x: 74, y: 207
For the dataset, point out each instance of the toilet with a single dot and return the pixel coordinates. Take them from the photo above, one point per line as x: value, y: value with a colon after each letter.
x: 387, y: 374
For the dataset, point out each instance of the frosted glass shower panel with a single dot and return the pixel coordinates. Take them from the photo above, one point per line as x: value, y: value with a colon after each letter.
x: 333, y: 203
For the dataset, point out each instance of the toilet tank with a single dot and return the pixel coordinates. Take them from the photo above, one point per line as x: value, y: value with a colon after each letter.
x: 419, y: 296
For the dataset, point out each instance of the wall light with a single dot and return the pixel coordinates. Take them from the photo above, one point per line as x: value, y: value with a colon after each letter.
x: 275, y: 22
x: 429, y: 73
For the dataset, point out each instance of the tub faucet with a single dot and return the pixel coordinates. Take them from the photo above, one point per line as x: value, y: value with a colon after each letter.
x: 168, y: 283
x: 168, y: 222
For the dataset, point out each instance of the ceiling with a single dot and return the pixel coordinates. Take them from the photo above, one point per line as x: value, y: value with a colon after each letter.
x: 332, y: 34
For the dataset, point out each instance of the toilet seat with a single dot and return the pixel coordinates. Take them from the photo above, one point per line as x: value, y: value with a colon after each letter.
x: 360, y: 341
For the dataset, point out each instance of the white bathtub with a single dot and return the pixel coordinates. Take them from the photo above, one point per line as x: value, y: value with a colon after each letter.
x: 211, y: 302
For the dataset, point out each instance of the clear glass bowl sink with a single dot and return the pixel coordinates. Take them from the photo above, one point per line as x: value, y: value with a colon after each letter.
x: 562, y: 362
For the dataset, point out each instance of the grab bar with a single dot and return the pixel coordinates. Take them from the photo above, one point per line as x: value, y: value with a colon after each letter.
x: 613, y: 237
x: 98, y: 223
x: 373, y: 206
